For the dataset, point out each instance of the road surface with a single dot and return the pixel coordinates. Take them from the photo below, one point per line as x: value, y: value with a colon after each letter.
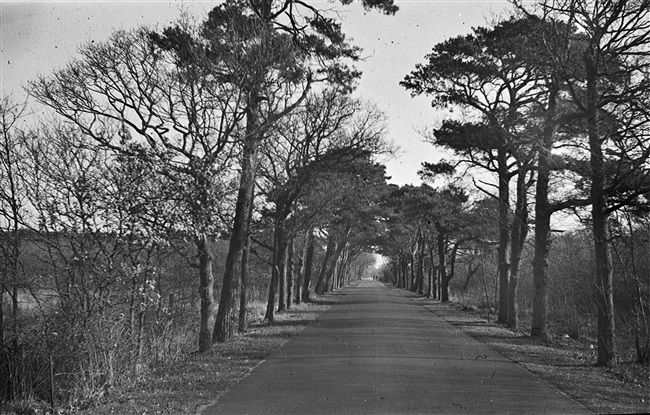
x: 376, y: 351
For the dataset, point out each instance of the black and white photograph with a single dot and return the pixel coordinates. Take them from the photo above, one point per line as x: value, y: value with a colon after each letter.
x: 374, y: 207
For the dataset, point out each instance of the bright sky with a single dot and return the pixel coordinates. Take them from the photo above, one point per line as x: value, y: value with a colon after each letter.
x: 37, y: 37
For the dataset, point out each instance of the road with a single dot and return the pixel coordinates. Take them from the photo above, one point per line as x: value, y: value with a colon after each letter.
x: 376, y: 351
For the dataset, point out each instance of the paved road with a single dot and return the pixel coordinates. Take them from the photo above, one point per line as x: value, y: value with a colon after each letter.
x: 378, y: 352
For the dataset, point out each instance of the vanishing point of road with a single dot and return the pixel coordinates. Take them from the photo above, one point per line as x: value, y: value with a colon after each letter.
x: 376, y: 351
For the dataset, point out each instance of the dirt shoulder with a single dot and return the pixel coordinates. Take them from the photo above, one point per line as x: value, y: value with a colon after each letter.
x: 186, y: 386
x: 565, y: 363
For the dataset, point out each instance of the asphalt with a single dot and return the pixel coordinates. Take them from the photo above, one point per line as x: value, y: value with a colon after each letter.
x: 376, y: 351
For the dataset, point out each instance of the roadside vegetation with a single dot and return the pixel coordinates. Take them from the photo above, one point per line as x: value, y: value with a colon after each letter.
x: 187, y: 190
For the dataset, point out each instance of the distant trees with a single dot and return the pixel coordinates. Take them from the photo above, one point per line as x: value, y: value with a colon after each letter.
x: 428, y: 227
x: 327, y: 133
x: 481, y: 73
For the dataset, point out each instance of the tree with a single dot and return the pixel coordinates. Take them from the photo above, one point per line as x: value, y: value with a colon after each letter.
x: 13, y: 205
x: 183, y: 121
x: 606, y: 76
x: 480, y: 72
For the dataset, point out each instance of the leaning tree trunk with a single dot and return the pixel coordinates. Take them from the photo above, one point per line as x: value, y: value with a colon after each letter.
x: 329, y: 251
x: 341, y: 242
x: 452, y: 260
x: 226, y: 322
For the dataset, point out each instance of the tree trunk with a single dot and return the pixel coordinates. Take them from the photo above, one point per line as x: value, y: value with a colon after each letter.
x: 519, y: 233
x: 277, y: 268
x: 308, y: 264
x: 206, y: 293
x: 430, y: 287
x: 600, y: 217
x: 470, y: 273
x: 341, y: 242
x: 543, y: 224
x: 442, y: 266
x: 504, y: 234
x: 433, y: 289
x: 405, y: 269
x: 420, y: 262
x: 226, y: 322
x: 452, y: 260
x: 329, y: 251
x: 243, y: 299
x: 289, y: 267
x: 299, y: 271
x: 281, y: 267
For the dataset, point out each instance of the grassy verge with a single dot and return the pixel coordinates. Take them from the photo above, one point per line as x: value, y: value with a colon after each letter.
x: 190, y: 384
x: 567, y: 364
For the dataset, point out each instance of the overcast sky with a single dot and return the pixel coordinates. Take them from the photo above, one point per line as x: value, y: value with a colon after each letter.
x: 37, y: 37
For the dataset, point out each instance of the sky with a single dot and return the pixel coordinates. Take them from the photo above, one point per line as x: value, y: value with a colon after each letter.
x: 37, y: 37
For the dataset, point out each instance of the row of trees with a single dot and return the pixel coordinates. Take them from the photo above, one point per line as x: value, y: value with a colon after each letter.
x: 556, y: 100
x: 232, y: 145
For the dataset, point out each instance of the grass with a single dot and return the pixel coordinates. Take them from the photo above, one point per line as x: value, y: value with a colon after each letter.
x: 190, y: 384
x: 186, y: 386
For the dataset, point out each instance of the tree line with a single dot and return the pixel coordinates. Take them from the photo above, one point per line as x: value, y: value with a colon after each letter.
x: 554, y: 110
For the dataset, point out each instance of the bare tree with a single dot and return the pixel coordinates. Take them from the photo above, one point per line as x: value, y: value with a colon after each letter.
x: 182, y: 120
x: 13, y: 205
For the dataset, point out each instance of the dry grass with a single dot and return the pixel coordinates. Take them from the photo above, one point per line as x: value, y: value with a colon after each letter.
x: 188, y: 385
x: 565, y: 363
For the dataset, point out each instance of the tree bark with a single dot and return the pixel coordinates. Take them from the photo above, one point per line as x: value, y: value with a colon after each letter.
x: 543, y: 214
x: 290, y: 275
x: 243, y: 294
x: 226, y: 322
x: 206, y: 293
x: 518, y: 238
x: 341, y: 242
x: 442, y: 267
x: 604, y: 273
x: 452, y: 260
x: 420, y: 262
x: 329, y: 251
x: 434, y: 273
x: 308, y: 264
x: 278, y: 271
x: 299, y: 271
x: 503, y: 251
x: 281, y: 267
